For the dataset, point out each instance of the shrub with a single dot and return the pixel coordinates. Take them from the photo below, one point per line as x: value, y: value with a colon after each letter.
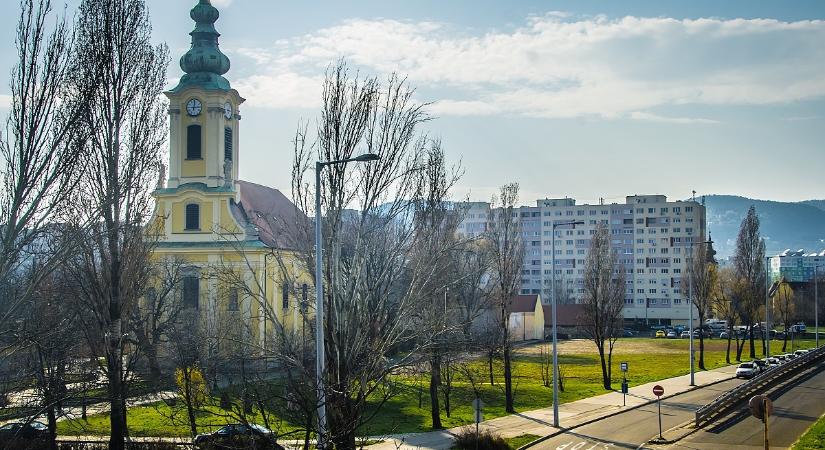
x: 487, y: 440
x: 197, y: 386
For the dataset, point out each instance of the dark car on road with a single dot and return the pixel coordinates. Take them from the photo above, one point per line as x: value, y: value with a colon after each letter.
x: 238, y: 436
x: 24, y: 436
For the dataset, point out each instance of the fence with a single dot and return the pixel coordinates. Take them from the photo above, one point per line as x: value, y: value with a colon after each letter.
x: 764, y: 380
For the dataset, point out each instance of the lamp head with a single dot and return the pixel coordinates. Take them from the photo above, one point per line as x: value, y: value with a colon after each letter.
x: 367, y: 157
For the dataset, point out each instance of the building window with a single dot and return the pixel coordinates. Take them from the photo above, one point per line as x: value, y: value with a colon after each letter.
x: 193, y: 216
x: 232, y: 301
x: 285, y: 295
x: 227, y: 144
x: 191, y: 291
x: 193, y: 142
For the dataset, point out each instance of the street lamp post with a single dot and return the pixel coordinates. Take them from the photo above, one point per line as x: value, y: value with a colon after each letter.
x: 816, y: 303
x: 553, y: 307
x: 690, y: 312
x: 319, y: 295
x: 767, y: 331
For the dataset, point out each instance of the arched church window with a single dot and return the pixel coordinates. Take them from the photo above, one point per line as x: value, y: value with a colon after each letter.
x: 193, y: 216
x: 227, y: 144
x: 191, y: 291
x: 193, y: 142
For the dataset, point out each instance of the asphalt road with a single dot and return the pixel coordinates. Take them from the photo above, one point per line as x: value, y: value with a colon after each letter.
x: 795, y: 410
x: 632, y: 428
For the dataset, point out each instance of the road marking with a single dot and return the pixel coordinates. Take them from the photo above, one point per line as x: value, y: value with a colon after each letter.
x: 579, y: 445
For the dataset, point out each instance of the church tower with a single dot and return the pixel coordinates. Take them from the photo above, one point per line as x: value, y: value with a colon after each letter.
x: 196, y: 202
x: 203, y: 111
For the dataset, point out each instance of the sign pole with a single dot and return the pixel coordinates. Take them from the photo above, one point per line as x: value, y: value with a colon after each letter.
x: 658, y: 391
x: 765, y: 408
x: 659, y: 403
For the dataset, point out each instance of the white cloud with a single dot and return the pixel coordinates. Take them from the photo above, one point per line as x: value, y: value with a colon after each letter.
x: 5, y: 101
x: 561, y: 66
x: 638, y: 115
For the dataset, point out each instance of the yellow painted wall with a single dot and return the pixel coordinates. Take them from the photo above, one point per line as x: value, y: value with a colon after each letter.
x: 192, y: 167
x: 179, y: 215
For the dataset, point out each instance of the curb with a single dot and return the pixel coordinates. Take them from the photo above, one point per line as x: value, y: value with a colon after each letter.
x: 615, y: 413
x: 736, y: 414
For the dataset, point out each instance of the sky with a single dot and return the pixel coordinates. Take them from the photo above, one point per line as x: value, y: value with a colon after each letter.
x: 582, y: 99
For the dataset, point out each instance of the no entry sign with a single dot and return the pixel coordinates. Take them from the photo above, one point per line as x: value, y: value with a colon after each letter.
x: 658, y: 390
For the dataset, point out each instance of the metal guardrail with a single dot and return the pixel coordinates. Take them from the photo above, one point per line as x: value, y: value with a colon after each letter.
x: 727, y: 401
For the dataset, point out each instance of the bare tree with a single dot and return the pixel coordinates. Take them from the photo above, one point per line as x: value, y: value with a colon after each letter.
x: 724, y: 296
x: 375, y: 287
x: 507, y: 249
x: 749, y: 265
x: 39, y: 155
x: 702, y: 273
x: 128, y: 123
x: 50, y: 338
x: 156, y: 317
x: 783, y: 303
x: 603, y: 299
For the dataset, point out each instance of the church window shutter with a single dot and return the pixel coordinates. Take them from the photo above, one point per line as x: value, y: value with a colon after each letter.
x: 193, y: 142
x: 193, y: 217
x: 227, y: 144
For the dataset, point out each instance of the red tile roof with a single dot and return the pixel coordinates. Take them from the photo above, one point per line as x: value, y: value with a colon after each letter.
x: 270, y: 212
x: 523, y: 303
x: 568, y: 315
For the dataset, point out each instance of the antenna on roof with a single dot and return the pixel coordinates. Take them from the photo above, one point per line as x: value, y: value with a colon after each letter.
x: 694, y: 195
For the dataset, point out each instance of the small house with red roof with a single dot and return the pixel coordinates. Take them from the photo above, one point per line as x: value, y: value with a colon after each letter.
x: 526, y: 318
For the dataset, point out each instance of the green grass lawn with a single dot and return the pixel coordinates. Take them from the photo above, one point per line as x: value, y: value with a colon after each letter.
x: 814, y: 438
x: 648, y: 360
x: 518, y: 441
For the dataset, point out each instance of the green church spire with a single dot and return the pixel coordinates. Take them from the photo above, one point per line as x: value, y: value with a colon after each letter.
x: 204, y: 63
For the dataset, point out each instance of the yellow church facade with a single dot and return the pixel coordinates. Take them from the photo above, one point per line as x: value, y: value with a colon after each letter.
x: 230, y: 237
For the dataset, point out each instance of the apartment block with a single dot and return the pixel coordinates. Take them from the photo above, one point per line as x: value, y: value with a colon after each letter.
x: 653, y: 238
x: 797, y: 266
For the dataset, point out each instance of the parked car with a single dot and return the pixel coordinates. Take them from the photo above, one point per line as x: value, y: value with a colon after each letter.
x: 746, y: 370
x: 789, y: 356
x: 671, y: 334
x: 798, y: 327
x: 685, y: 334
x: 782, y: 359
x: 660, y: 333
x: 724, y: 335
x: 800, y: 352
x: 22, y: 435
x: 233, y: 436
x: 761, y: 364
x: 628, y: 333
x: 773, y: 362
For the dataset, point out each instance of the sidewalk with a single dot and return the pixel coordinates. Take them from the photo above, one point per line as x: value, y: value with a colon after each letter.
x: 540, y: 421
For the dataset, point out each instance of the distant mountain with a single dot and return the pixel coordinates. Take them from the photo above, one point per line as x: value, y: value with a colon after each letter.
x: 817, y: 203
x: 783, y: 224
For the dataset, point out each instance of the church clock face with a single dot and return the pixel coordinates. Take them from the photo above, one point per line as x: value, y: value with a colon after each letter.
x: 227, y: 110
x: 194, y: 107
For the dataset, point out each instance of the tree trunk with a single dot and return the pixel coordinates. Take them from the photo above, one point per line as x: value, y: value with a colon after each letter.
x: 605, y: 377
x: 154, y: 367
x: 752, y: 344
x: 785, y: 340
x: 490, y: 367
x: 701, y: 351
x: 727, y: 352
x: 508, y: 381
x: 115, y: 385
x: 345, y: 441
x: 435, y: 382
x: 52, y: 423
x: 190, y: 407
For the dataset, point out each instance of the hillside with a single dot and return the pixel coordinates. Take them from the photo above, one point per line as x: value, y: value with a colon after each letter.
x: 784, y: 225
